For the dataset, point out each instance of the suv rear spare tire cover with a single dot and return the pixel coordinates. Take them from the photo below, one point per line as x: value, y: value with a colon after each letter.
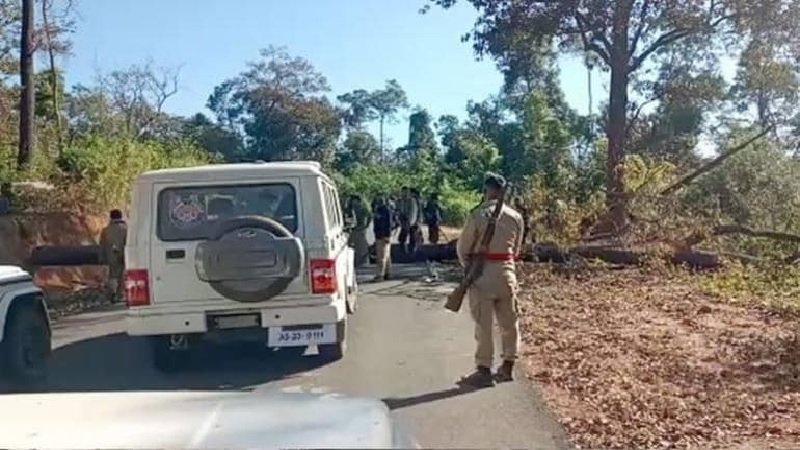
x: 250, y: 259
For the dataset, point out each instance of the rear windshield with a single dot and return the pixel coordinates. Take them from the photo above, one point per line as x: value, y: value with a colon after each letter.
x: 193, y: 213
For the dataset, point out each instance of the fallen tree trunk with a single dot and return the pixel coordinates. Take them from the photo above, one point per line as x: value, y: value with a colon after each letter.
x: 553, y: 253
x: 722, y: 230
x: 769, y: 234
x: 81, y: 255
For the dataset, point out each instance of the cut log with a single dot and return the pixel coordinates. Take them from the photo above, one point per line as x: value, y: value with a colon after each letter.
x: 553, y: 253
x: 696, y: 259
x: 81, y: 255
x: 426, y: 252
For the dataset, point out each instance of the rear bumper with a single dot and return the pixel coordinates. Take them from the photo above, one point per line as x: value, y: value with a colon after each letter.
x: 150, y: 321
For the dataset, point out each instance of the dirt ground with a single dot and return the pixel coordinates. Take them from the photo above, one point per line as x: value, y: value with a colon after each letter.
x: 19, y: 234
x: 640, y: 359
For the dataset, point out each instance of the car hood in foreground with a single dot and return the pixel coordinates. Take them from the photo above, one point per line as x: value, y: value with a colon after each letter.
x: 202, y: 420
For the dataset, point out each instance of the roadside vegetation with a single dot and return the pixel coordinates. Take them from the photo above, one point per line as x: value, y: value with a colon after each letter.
x: 693, y: 152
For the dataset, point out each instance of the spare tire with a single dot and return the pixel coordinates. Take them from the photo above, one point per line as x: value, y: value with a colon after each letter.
x: 250, y: 259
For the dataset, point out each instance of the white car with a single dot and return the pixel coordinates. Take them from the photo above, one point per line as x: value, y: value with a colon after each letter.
x: 24, y: 327
x: 254, y: 250
x: 198, y: 420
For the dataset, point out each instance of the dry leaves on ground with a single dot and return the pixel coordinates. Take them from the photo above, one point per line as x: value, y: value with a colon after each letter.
x: 633, y: 359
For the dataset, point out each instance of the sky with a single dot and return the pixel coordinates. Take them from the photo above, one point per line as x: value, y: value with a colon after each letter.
x: 354, y: 43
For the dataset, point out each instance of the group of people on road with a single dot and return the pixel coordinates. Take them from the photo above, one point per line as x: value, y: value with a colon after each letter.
x: 388, y: 213
x: 492, y: 295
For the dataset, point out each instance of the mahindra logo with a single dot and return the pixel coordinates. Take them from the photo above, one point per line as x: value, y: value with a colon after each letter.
x: 246, y: 234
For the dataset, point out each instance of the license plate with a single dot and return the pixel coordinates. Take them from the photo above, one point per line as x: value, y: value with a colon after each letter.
x: 238, y: 321
x: 299, y: 337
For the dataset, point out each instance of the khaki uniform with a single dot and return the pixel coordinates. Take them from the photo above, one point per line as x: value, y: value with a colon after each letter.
x: 495, y: 292
x: 358, y: 235
x: 112, y: 247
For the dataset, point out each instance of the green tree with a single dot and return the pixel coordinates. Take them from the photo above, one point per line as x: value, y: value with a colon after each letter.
x: 358, y: 148
x: 624, y: 35
x: 420, y: 133
x: 213, y: 138
x: 686, y: 99
x: 382, y: 105
x: 279, y: 106
x: 387, y: 102
x: 359, y: 108
x: 768, y: 80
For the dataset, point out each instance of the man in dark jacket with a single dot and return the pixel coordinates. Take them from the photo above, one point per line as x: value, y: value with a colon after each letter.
x: 358, y: 233
x: 382, y: 226
x: 415, y: 221
x: 433, y: 217
x: 519, y: 205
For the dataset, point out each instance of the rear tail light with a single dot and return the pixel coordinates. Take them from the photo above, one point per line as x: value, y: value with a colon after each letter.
x: 137, y: 287
x: 323, y: 276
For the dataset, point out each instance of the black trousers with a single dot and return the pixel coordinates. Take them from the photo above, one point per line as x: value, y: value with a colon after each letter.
x: 411, y: 235
x: 433, y: 233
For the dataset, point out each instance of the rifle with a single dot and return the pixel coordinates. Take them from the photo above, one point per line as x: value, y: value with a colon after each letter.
x: 474, y: 267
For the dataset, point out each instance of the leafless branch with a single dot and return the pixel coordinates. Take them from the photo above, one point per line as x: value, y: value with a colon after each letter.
x: 636, y: 114
x: 637, y: 35
x: 665, y: 39
x: 589, y: 43
x: 716, y: 162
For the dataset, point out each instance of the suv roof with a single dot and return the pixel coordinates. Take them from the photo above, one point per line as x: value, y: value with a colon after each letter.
x: 9, y: 272
x: 235, y: 171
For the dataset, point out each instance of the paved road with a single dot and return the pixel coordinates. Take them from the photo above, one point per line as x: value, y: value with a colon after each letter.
x: 404, y: 348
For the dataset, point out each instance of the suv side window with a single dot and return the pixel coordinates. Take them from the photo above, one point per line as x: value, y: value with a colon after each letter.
x: 329, y: 208
x: 337, y: 207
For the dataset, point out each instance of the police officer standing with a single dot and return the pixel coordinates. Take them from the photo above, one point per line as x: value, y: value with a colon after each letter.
x: 433, y: 216
x: 494, y: 293
x: 382, y: 227
x: 358, y: 234
x: 112, y: 247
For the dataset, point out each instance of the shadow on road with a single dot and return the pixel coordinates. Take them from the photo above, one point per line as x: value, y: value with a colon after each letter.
x: 118, y: 362
x: 404, y: 402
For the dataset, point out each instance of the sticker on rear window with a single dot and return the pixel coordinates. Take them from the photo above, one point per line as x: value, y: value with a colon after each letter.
x: 186, y: 212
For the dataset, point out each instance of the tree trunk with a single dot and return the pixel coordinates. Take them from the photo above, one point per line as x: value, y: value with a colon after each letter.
x: 27, y: 100
x: 53, y: 77
x: 380, y: 132
x: 617, y: 110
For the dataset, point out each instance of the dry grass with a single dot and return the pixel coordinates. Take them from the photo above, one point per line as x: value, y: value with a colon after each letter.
x: 635, y: 358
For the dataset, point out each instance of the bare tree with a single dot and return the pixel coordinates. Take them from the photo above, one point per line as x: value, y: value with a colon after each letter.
x: 51, y: 29
x: 27, y: 96
x: 139, y: 93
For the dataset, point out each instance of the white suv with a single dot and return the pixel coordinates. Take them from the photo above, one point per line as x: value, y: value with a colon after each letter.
x: 253, y: 250
x: 24, y: 328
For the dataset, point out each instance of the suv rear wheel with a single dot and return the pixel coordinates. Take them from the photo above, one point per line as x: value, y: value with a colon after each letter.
x: 335, y: 352
x: 26, y: 345
x: 165, y: 358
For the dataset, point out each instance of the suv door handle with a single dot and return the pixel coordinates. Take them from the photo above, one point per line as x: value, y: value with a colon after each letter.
x: 176, y: 254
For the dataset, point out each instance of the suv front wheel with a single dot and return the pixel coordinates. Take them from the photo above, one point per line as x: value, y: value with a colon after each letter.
x: 26, y: 345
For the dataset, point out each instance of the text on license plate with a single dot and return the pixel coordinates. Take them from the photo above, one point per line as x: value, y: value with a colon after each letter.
x: 297, y: 336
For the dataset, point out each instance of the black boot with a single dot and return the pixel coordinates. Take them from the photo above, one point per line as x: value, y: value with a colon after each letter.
x: 481, y: 378
x: 505, y: 372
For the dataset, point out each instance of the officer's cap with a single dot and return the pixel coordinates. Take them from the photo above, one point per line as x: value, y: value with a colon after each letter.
x: 494, y: 180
